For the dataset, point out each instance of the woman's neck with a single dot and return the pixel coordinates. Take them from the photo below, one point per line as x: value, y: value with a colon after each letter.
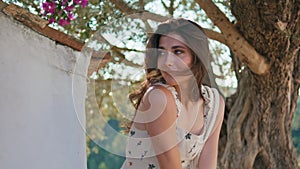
x: 184, y: 91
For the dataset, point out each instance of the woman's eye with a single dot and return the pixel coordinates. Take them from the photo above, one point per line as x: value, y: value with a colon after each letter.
x: 178, y: 52
x: 161, y: 53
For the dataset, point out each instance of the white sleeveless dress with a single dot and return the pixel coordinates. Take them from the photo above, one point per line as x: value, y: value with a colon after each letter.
x: 139, y: 150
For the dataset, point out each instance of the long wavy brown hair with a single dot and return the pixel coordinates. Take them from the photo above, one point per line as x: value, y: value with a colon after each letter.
x: 194, y: 37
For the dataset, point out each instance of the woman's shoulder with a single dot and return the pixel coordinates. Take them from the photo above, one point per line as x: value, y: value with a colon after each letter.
x: 157, y: 110
x: 156, y: 99
x: 159, y: 91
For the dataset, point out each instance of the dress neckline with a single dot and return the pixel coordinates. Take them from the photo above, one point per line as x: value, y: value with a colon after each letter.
x: 133, y: 128
x: 178, y: 105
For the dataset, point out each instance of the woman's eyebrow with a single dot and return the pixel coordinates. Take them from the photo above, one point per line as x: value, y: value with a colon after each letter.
x: 173, y: 47
x: 178, y: 46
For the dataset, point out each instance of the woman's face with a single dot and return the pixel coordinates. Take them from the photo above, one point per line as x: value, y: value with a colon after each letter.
x: 174, y: 59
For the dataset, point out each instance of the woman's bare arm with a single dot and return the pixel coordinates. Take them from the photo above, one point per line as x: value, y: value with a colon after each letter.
x: 160, y: 112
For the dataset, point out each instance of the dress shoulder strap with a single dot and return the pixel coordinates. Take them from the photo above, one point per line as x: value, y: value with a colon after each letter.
x: 211, y: 109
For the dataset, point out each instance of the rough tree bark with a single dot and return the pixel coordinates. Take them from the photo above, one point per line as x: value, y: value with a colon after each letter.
x: 257, y: 132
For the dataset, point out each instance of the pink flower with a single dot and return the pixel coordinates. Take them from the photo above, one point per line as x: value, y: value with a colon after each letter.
x: 61, y: 11
x: 76, y: 2
x: 71, y: 16
x: 69, y: 8
x: 84, y: 3
x: 49, y: 7
x: 64, y: 3
x: 63, y: 22
x: 51, y: 20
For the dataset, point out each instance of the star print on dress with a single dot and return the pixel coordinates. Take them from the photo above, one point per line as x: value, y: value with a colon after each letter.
x: 177, y: 97
x: 151, y: 166
x: 143, y: 155
x: 192, y: 148
x: 188, y: 136
x: 132, y: 132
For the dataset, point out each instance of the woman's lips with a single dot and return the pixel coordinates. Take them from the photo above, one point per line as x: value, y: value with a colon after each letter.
x: 176, y: 72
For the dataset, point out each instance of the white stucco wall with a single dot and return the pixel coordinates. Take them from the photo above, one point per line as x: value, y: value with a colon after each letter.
x: 42, y: 116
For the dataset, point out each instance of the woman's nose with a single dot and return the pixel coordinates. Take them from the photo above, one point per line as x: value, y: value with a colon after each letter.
x: 169, y: 60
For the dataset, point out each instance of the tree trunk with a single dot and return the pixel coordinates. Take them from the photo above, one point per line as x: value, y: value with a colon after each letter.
x: 257, y: 130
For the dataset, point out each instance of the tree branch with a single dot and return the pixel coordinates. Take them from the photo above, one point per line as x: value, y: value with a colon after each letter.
x: 164, y: 4
x: 128, y: 49
x: 122, y: 58
x: 145, y: 15
x: 141, y: 4
x: 215, y: 36
x: 101, y: 58
x: 235, y: 41
x: 147, y: 26
x: 171, y: 8
x: 134, y: 13
x: 119, y: 54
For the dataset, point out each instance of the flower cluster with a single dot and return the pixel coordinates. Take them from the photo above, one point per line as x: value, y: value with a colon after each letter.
x: 61, y: 11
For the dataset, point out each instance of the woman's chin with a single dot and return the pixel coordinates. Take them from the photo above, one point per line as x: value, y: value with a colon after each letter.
x: 169, y: 79
x: 171, y: 82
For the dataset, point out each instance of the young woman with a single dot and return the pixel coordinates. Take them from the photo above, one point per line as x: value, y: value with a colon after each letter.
x: 178, y: 118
